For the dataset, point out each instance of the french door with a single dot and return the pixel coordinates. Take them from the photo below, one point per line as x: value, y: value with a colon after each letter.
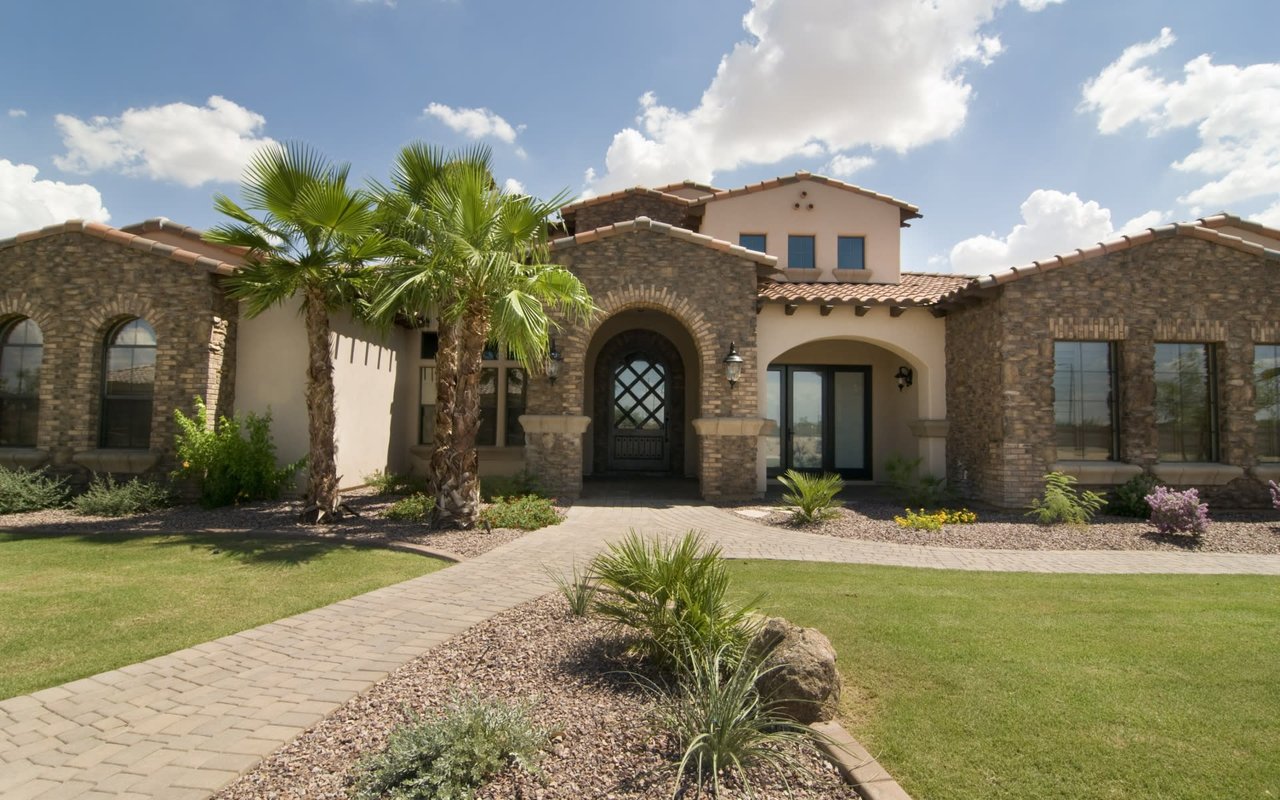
x: 824, y: 420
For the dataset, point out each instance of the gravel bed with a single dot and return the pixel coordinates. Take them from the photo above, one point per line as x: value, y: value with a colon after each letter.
x: 271, y: 517
x: 602, y: 745
x: 872, y: 519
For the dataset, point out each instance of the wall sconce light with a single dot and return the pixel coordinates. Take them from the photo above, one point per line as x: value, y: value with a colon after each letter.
x: 733, y: 366
x: 554, y: 358
x: 904, y: 376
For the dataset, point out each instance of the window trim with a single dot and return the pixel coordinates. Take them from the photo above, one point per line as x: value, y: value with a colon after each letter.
x: 859, y: 237
x: 1114, y: 373
x: 1212, y: 396
x: 108, y: 343
x: 503, y: 365
x: 1273, y: 457
x: 813, y: 241
x: 29, y: 399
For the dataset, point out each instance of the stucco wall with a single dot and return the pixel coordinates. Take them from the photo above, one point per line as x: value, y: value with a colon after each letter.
x: 836, y: 212
x: 1271, y: 242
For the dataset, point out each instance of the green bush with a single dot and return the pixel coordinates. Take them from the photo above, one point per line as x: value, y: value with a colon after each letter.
x: 450, y: 756
x: 812, y: 498
x: 21, y: 490
x: 106, y: 498
x: 1063, y: 503
x: 578, y: 590
x: 521, y: 484
x: 902, y: 475
x: 394, y: 483
x: 528, y: 513
x: 1130, y: 498
x: 673, y: 596
x: 414, y: 508
x: 234, y: 462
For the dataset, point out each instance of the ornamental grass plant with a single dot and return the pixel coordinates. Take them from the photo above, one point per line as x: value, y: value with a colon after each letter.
x: 812, y: 498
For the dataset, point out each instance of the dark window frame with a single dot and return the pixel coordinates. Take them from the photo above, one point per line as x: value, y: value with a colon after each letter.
x: 139, y: 421
x: 1078, y: 452
x: 1267, y: 442
x: 20, y: 408
x: 1212, y: 402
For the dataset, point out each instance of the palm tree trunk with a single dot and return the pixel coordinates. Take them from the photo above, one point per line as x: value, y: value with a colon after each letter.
x: 454, y: 463
x: 443, y: 468
x: 322, y: 469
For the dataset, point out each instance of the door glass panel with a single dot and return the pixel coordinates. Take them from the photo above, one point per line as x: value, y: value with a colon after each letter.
x: 639, y: 388
x: 487, y: 435
x: 849, y: 416
x: 806, y: 420
x: 773, y: 411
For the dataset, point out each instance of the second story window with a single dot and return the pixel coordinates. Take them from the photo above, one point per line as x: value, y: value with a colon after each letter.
x: 752, y: 241
x: 800, y: 252
x: 851, y: 252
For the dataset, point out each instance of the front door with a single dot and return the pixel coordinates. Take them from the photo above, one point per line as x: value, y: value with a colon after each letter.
x: 639, y: 433
x: 824, y: 420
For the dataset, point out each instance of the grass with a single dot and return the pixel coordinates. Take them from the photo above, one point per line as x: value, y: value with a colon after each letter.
x: 1010, y: 685
x: 76, y: 605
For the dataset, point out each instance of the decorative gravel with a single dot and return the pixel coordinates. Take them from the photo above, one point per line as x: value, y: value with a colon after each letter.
x: 272, y: 518
x: 872, y: 519
x: 602, y: 745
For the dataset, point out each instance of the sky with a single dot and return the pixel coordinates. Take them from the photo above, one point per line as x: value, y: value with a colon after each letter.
x: 1021, y: 128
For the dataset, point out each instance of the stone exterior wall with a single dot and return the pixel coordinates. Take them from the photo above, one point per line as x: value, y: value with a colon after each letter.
x: 1177, y: 289
x: 628, y: 207
x: 77, y: 287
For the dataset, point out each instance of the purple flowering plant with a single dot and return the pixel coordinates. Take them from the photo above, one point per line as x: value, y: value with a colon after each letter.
x: 1178, y: 512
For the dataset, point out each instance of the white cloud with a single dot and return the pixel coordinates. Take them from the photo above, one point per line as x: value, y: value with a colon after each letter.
x: 1052, y: 223
x: 474, y: 123
x: 187, y: 144
x: 15, y: 113
x: 27, y: 203
x: 1038, y: 5
x: 1235, y: 111
x: 815, y: 77
x: 843, y: 166
x: 513, y: 186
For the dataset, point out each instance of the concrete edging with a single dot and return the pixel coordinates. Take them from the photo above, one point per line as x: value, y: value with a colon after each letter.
x: 857, y: 766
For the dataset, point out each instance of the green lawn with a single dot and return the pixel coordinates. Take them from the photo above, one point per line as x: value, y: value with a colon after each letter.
x: 75, y: 605
x: 997, y: 685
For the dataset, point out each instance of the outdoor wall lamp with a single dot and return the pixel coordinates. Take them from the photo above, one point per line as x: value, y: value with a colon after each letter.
x: 554, y: 357
x: 904, y: 376
x: 733, y: 366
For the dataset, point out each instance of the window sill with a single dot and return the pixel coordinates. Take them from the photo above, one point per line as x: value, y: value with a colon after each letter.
x: 1267, y: 471
x: 23, y: 457
x: 853, y: 275
x: 1196, y: 474
x: 1098, y: 473
x: 114, y: 461
x: 805, y: 275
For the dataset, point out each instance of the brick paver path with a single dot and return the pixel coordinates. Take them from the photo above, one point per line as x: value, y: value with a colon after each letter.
x: 186, y: 724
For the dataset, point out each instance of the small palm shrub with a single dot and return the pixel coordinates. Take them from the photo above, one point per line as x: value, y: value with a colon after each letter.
x: 672, y: 595
x: 22, y: 490
x: 521, y: 484
x: 812, y: 498
x: 1063, y: 503
x: 922, y: 520
x: 1275, y: 494
x: 528, y: 513
x: 107, y: 498
x: 414, y: 508
x: 1130, y: 498
x: 578, y: 591
x: 450, y: 756
x: 394, y: 483
x: 902, y: 475
x: 1178, y: 512
x: 232, y: 463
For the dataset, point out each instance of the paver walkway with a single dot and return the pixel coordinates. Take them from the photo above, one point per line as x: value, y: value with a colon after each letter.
x: 186, y: 724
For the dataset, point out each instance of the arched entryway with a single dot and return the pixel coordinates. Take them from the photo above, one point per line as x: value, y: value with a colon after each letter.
x: 639, y: 405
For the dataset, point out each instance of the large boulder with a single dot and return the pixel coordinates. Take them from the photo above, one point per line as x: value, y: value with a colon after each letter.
x: 798, y: 670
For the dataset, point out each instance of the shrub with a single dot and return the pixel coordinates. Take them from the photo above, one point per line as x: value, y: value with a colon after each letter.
x: 21, y: 490
x: 393, y: 483
x: 450, y: 756
x: 1178, y: 512
x: 414, y: 508
x: 905, y: 481
x: 521, y: 484
x: 234, y: 462
x: 578, y: 591
x: 106, y: 498
x: 1275, y: 494
x: 1063, y: 503
x: 812, y: 498
x: 723, y: 726
x: 673, y: 595
x: 528, y: 513
x: 1130, y: 498
x: 934, y: 520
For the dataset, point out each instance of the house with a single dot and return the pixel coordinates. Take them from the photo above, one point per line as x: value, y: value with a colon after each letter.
x: 1156, y: 352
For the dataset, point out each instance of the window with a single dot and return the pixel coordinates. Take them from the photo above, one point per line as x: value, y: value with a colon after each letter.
x: 1085, y: 410
x: 21, y: 349
x: 430, y: 345
x: 128, y: 385
x: 1186, y: 414
x: 800, y: 252
x: 499, y: 410
x: 851, y: 252
x: 1266, y: 384
x: 752, y: 241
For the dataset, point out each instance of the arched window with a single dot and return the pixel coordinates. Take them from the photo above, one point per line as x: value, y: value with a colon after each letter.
x: 21, y: 348
x: 128, y: 385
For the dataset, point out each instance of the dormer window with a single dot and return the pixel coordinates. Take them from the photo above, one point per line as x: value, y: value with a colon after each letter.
x: 752, y: 241
x: 851, y: 252
x: 800, y: 252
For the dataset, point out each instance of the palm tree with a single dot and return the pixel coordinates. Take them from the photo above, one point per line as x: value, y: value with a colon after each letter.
x: 310, y: 239
x: 480, y: 258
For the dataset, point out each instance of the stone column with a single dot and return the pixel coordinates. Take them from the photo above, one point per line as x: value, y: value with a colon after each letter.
x: 553, y: 451
x: 727, y: 472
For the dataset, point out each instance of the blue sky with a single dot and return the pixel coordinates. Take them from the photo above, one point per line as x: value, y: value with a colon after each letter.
x: 1020, y: 127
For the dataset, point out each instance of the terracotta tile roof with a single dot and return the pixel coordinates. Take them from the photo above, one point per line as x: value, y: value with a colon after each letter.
x: 1224, y: 219
x: 1121, y: 244
x: 124, y: 238
x: 706, y: 187
x: 186, y: 231
x: 646, y: 224
x: 916, y: 289
x: 908, y: 211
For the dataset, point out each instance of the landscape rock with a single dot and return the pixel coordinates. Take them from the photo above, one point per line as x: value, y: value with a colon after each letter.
x: 798, y: 671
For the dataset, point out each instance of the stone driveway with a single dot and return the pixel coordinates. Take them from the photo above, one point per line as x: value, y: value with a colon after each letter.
x: 186, y: 724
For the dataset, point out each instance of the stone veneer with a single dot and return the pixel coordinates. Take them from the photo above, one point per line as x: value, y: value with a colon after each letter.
x: 1179, y: 289
x: 712, y: 293
x: 77, y: 287
x: 630, y: 206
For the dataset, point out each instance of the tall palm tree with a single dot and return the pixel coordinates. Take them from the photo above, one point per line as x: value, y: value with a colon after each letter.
x: 480, y: 257
x: 310, y: 239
